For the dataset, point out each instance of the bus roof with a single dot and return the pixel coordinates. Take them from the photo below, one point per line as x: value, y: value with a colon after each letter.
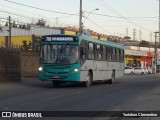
x: 107, y: 43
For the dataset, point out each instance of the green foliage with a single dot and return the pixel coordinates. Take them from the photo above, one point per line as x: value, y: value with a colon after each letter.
x: 41, y: 22
x: 144, y: 43
x: 26, y: 46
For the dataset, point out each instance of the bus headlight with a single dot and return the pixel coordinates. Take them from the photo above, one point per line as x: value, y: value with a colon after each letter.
x: 76, y: 70
x: 40, y: 68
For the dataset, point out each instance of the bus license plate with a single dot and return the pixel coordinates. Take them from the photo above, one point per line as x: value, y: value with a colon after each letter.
x: 56, y: 77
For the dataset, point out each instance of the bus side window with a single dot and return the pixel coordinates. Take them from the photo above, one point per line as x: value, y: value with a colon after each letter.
x: 91, y: 51
x: 113, y: 54
x: 83, y: 49
x: 104, y: 53
x: 109, y: 54
x: 116, y: 55
x: 99, y: 52
x: 82, y: 53
x: 122, y: 55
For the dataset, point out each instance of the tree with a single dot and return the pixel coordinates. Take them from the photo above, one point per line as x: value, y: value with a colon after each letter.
x: 23, y: 26
x: 14, y: 24
x: 41, y: 22
x: 28, y: 26
x: 127, y: 38
x: 1, y: 27
x: 144, y: 43
x: 24, y: 45
x: 7, y: 24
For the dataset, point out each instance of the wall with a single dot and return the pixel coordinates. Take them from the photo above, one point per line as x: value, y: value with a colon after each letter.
x: 37, y: 30
x: 18, y: 40
x: 29, y: 64
x: 14, y: 64
x: 9, y: 65
x: 2, y: 41
x: 135, y: 52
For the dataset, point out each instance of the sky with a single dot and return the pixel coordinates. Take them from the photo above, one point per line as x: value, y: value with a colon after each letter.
x: 114, y: 17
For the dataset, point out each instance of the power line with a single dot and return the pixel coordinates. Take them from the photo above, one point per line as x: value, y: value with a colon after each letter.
x: 114, y: 11
x: 14, y: 14
x: 31, y: 18
x: 119, y: 16
x: 35, y: 13
x: 39, y: 8
x: 99, y: 26
x: 69, y: 13
x: 106, y: 4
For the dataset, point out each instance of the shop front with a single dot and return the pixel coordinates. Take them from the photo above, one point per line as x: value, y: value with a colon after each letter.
x: 148, y: 60
x: 134, y: 58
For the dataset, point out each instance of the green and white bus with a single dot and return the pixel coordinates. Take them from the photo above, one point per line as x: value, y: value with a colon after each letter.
x: 73, y: 58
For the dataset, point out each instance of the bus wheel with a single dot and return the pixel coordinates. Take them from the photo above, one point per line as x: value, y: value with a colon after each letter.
x: 55, y: 83
x: 112, y: 80
x: 88, y: 81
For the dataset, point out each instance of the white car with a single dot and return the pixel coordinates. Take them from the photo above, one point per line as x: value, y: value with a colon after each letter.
x: 139, y: 70
x: 149, y: 70
x: 146, y: 70
x: 129, y: 70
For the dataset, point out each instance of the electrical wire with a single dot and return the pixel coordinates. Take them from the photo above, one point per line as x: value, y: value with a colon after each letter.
x: 106, y: 6
x: 99, y: 26
x: 39, y: 8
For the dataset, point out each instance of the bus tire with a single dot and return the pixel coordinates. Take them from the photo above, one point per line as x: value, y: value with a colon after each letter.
x: 88, y: 81
x: 112, y: 80
x: 55, y: 83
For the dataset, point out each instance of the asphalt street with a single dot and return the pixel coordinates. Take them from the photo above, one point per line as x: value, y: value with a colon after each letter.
x: 130, y: 93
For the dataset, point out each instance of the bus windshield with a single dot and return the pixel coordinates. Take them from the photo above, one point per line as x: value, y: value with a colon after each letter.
x: 59, y: 54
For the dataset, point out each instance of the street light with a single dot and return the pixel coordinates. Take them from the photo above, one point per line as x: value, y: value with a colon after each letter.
x: 80, y: 18
x: 89, y: 14
x: 86, y: 19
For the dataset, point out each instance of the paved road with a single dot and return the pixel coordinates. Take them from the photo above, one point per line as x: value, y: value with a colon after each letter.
x: 132, y: 92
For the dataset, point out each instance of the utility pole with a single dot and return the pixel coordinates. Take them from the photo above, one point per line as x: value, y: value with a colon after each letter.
x: 80, y: 19
x: 9, y: 42
x: 126, y: 31
x: 159, y: 21
x: 151, y: 37
x: 134, y: 34
x: 155, y: 53
x: 140, y: 35
x: 56, y: 21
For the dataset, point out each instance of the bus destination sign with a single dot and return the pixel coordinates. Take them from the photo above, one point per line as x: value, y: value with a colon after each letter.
x: 58, y: 39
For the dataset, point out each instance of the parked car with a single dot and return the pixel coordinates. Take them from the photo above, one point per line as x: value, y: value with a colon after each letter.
x: 146, y: 70
x: 149, y: 70
x: 139, y: 70
x: 129, y: 70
